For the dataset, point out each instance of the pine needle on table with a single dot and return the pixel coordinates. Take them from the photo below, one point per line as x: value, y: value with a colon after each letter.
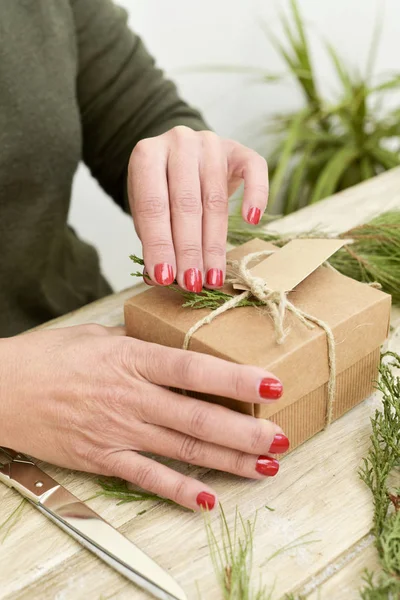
x: 232, y: 557
x: 118, y: 489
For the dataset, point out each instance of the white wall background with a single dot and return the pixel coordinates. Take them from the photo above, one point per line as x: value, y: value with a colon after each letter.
x: 185, y: 34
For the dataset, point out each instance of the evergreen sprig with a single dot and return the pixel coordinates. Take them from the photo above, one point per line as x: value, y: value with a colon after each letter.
x: 382, y: 462
x: 207, y: 298
x: 374, y: 254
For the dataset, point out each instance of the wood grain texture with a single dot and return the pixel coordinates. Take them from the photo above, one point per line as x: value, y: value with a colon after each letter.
x: 317, y: 493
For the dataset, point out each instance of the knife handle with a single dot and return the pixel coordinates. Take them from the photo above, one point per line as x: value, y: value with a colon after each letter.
x: 30, y: 481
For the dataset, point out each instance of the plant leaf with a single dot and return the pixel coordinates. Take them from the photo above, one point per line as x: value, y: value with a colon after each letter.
x: 332, y: 172
x: 340, y: 68
x: 390, y: 84
x: 287, y: 151
x: 297, y: 179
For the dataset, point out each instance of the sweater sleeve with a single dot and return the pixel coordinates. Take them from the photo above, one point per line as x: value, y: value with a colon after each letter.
x: 123, y: 97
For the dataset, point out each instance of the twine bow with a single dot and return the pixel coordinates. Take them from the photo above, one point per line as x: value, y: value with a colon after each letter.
x: 277, y: 304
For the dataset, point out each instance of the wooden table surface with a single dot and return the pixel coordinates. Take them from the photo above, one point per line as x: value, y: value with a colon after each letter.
x: 317, y: 493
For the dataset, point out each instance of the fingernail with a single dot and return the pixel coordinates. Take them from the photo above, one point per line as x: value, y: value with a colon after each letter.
x: 253, y: 216
x: 267, y: 466
x: 280, y: 444
x: 193, y: 280
x: 215, y: 277
x: 206, y: 500
x: 164, y: 274
x: 270, y: 388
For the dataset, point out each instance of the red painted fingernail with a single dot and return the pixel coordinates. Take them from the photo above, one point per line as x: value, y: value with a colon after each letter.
x: 280, y: 444
x: 164, y: 274
x: 267, y: 466
x: 254, y: 215
x: 270, y: 388
x: 206, y: 500
x: 193, y: 280
x: 215, y: 277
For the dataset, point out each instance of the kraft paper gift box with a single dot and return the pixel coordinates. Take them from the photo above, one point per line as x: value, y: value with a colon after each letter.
x: 358, y: 316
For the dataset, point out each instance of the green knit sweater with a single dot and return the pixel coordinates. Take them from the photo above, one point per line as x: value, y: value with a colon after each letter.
x: 75, y: 84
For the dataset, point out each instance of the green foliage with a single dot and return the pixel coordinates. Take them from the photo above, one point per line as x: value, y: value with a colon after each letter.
x: 120, y: 490
x: 210, y: 299
x: 328, y: 146
x: 232, y: 557
x: 374, y: 255
x: 382, y: 462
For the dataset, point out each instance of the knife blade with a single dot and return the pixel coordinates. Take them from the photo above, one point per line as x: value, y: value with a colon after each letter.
x: 86, y: 526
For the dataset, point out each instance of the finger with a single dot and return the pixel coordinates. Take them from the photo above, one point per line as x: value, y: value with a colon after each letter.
x: 186, y: 208
x: 117, y: 331
x: 203, y: 454
x: 214, y: 189
x: 149, y: 200
x: 163, y: 481
x: 203, y: 373
x: 213, y: 423
x: 253, y: 169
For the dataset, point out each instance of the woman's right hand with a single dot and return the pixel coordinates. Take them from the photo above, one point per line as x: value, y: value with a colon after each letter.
x: 92, y: 399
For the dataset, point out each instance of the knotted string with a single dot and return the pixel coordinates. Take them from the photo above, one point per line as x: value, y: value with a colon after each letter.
x: 277, y: 304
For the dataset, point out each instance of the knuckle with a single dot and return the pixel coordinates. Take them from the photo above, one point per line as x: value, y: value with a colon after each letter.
x: 186, y: 368
x: 260, y: 189
x: 239, y: 462
x: 93, y: 329
x: 187, y: 202
x: 191, y: 252
x: 147, y: 361
x: 160, y: 246
x: 146, y: 477
x: 218, y: 250
x: 151, y: 207
x: 261, y: 161
x: 216, y: 201
x: 179, y: 491
x: 198, y: 422
x: 189, y: 449
x: 181, y: 131
x: 237, y: 384
x: 257, y: 439
x: 143, y: 147
x: 210, y: 136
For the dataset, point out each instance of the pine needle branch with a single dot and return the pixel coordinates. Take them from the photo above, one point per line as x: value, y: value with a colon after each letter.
x: 382, y: 461
x: 210, y: 299
x: 374, y: 255
x: 120, y: 490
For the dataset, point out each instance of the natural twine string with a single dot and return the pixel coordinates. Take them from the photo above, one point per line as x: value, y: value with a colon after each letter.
x: 277, y: 304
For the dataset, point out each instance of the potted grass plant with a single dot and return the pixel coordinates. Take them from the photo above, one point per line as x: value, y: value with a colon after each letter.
x: 327, y: 145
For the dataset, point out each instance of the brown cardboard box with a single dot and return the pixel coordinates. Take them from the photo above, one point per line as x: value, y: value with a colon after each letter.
x: 357, y: 314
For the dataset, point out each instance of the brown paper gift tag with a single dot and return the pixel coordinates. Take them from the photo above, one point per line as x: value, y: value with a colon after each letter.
x: 290, y: 265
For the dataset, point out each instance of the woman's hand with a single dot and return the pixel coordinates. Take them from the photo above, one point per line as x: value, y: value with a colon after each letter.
x: 89, y: 398
x: 179, y: 184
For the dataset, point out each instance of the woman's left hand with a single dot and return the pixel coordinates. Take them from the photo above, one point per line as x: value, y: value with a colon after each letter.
x: 179, y: 184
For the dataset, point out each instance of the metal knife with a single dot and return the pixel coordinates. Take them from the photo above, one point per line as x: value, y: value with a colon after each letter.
x: 86, y: 526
